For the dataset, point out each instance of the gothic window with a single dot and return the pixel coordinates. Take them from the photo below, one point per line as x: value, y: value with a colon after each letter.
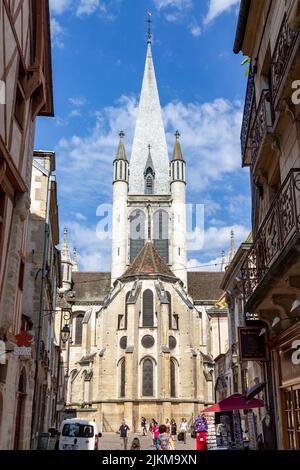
x: 137, y: 233
x: 148, y: 308
x: 172, y: 379
x: 78, y: 328
x: 169, y: 310
x: 147, y: 378
x: 126, y: 310
x: 149, y: 184
x: 161, y: 232
x: 122, y: 378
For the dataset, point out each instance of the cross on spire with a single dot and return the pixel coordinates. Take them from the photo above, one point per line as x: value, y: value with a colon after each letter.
x: 149, y: 21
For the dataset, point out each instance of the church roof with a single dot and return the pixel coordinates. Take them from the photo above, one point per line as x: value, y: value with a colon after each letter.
x: 148, y: 261
x: 204, y: 285
x: 149, y: 130
x: 91, y: 287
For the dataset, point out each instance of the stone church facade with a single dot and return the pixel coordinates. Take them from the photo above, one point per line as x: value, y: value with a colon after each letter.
x: 140, y: 335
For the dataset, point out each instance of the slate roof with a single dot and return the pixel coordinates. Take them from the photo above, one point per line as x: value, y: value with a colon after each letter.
x: 148, y: 261
x: 205, y: 285
x: 91, y: 287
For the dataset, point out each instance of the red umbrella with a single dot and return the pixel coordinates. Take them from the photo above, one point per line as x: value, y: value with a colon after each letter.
x: 235, y: 402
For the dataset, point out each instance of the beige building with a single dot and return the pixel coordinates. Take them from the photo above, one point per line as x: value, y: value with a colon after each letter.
x: 140, y: 334
x: 269, y: 33
x: 42, y: 279
x: 25, y: 74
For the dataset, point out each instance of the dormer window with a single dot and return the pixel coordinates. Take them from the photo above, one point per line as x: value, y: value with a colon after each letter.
x: 149, y: 184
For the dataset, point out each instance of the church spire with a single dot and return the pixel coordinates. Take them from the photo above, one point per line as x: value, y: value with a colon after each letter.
x: 149, y: 130
x: 177, y: 153
x: 121, y: 152
x: 65, y: 254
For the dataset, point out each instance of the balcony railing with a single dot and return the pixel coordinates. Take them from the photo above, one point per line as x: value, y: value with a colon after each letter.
x: 263, y: 123
x: 279, y: 227
x: 249, y: 101
x: 282, y: 54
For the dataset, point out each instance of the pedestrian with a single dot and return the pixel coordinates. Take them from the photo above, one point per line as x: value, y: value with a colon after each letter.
x: 163, y: 438
x: 124, y: 434
x: 136, y: 445
x: 183, y: 429
x: 144, y: 426
x: 173, y: 429
x: 151, y: 426
x: 156, y: 433
x: 201, y: 427
x: 168, y: 426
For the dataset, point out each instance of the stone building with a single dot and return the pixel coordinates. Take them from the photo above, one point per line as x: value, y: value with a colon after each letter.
x: 26, y: 85
x: 138, y: 343
x: 269, y: 33
x: 41, y: 281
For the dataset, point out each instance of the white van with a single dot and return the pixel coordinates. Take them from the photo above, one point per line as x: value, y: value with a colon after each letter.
x: 78, y: 434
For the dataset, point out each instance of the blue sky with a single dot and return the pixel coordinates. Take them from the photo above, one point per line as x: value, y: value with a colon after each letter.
x: 99, y: 49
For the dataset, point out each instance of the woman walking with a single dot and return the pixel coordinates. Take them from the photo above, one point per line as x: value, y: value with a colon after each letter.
x: 183, y: 429
x: 201, y: 427
x: 173, y: 429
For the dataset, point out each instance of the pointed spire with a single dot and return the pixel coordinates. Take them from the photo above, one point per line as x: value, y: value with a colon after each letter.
x: 149, y: 163
x: 65, y: 254
x: 75, y: 261
x: 232, y: 246
x: 223, y: 260
x: 121, y: 152
x: 149, y: 21
x: 149, y: 130
x: 177, y: 153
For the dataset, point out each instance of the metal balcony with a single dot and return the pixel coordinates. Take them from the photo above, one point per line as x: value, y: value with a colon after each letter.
x: 279, y: 231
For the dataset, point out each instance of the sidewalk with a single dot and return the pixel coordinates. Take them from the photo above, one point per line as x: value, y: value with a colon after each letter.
x: 112, y: 441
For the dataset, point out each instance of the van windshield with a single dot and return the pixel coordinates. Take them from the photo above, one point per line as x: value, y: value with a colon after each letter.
x: 77, y: 430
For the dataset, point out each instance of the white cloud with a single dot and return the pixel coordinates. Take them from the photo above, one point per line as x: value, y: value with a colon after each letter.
x: 179, y: 4
x: 210, y: 138
x: 195, y: 29
x: 87, y: 7
x: 75, y: 113
x: 59, y: 6
x: 217, y: 7
x: 78, y: 101
x: 57, y: 33
x: 195, y: 264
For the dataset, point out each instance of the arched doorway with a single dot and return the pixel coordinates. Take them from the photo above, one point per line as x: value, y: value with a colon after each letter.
x: 21, y: 394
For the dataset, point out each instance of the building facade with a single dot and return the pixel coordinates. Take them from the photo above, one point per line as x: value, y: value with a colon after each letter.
x: 138, y: 339
x: 41, y: 282
x: 269, y: 33
x: 26, y: 92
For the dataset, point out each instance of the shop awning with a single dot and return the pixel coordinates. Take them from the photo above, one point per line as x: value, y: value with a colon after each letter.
x: 235, y: 402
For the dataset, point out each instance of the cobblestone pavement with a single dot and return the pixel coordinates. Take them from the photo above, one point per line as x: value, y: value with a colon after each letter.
x: 112, y: 441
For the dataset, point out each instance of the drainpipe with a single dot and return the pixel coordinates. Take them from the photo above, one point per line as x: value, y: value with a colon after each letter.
x: 41, y: 311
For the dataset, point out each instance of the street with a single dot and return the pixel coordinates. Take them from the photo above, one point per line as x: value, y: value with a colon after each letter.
x: 112, y: 441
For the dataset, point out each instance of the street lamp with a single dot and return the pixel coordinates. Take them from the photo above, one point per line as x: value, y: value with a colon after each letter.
x: 65, y: 333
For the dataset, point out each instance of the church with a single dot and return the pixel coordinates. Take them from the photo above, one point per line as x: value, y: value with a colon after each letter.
x: 141, y: 335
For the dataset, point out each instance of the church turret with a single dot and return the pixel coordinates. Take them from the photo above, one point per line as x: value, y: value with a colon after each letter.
x: 66, y: 263
x: 75, y: 261
x: 178, y: 191
x: 119, y: 216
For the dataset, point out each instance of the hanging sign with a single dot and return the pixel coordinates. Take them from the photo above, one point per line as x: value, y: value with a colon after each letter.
x: 252, y: 345
x: 23, y: 347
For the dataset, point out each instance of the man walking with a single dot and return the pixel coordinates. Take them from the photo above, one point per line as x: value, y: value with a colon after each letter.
x: 124, y: 434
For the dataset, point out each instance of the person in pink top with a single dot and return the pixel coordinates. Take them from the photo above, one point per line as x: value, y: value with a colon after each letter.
x: 155, y: 430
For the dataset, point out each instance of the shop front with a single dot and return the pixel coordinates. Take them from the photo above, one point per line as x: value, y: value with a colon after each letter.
x: 288, y: 357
